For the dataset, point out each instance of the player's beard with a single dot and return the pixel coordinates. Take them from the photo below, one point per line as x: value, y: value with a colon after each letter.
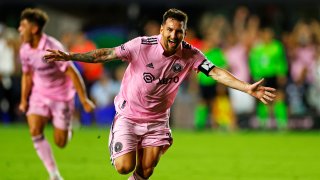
x: 172, y: 45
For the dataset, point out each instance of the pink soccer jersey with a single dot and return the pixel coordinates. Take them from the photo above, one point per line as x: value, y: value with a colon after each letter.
x: 49, y: 79
x: 151, y: 80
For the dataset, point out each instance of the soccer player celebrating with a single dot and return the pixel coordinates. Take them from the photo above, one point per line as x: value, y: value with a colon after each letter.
x: 48, y: 89
x: 140, y: 133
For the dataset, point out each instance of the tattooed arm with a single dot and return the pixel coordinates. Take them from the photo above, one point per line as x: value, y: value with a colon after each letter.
x: 95, y: 56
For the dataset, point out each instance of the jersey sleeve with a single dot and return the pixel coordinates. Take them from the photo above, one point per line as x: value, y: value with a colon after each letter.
x: 128, y: 50
x: 202, y: 64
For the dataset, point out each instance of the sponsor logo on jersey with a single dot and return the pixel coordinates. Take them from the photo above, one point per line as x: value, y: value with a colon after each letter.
x: 148, y: 77
x: 169, y: 80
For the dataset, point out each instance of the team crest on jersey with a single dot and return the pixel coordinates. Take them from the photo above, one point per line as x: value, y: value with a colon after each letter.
x: 177, y: 67
x: 118, y: 146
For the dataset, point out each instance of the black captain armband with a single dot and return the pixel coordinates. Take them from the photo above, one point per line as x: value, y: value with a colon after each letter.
x: 206, y: 66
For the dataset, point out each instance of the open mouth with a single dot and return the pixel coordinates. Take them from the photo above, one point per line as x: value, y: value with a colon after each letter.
x: 172, y: 42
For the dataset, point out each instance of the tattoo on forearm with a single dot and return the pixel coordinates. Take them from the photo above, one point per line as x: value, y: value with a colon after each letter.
x: 95, y: 56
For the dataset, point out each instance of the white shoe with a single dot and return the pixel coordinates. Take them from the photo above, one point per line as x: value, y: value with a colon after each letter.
x: 56, y: 176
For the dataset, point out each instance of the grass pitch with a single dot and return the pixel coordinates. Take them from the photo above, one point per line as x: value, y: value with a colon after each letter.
x: 205, y: 155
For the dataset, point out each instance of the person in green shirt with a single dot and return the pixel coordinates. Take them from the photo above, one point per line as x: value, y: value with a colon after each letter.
x: 267, y: 60
x: 208, y: 88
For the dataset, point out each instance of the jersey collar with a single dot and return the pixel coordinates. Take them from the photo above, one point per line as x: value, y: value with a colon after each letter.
x: 42, y: 43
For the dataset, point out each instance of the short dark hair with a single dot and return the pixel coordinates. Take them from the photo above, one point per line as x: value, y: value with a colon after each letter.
x: 175, y: 14
x: 36, y: 16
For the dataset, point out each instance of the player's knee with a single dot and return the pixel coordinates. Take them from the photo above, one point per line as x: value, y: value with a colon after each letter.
x: 147, y: 173
x: 35, y: 131
x: 124, y: 168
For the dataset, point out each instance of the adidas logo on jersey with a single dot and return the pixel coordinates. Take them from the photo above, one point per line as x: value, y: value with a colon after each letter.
x: 150, y: 65
x: 149, y: 41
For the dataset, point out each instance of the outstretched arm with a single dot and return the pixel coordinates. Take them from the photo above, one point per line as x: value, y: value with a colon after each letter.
x: 95, y: 56
x: 264, y: 94
x: 80, y: 88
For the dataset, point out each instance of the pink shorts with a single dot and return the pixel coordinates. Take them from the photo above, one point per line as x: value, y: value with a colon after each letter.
x: 60, y: 111
x: 127, y: 136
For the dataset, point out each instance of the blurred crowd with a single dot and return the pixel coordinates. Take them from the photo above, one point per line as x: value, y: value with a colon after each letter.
x: 249, y: 48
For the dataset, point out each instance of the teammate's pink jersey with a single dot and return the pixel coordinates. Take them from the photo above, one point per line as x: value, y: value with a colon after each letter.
x: 151, y: 80
x: 49, y: 79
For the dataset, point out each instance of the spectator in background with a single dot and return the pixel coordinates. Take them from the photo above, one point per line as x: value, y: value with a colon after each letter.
x: 193, y: 38
x: 103, y: 92
x: 211, y: 100
x: 236, y: 51
x: 302, y: 59
x: 48, y: 89
x: 8, y: 69
x: 314, y: 90
x: 151, y: 28
x: 91, y: 73
x: 67, y: 39
x: 251, y: 35
x: 267, y: 60
x: 239, y: 20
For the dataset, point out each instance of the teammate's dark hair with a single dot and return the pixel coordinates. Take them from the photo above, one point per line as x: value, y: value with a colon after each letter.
x: 36, y: 16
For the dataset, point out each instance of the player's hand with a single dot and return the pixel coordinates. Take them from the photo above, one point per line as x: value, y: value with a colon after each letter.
x: 56, y: 55
x: 88, y: 105
x: 264, y: 94
x: 23, y: 106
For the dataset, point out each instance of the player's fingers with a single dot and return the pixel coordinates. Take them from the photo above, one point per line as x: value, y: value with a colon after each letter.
x: 256, y: 84
x: 269, y: 89
x: 267, y: 98
x: 61, y: 53
x: 270, y: 94
x: 47, y: 56
x: 52, y: 53
x: 264, y: 101
x: 50, y: 50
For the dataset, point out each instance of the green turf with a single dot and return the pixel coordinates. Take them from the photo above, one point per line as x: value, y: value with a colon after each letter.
x: 193, y: 156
